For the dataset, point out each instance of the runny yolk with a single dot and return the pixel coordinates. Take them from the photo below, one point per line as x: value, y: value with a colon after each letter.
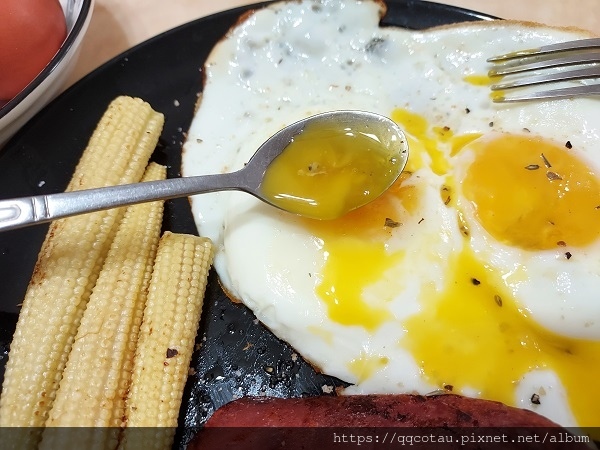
x: 329, y: 170
x: 423, y: 142
x: 474, y: 336
x: 532, y: 194
x: 356, y: 256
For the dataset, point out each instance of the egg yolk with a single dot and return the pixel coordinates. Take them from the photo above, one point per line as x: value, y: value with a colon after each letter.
x: 474, y: 336
x: 329, y: 170
x: 356, y: 256
x: 532, y: 194
x: 423, y: 142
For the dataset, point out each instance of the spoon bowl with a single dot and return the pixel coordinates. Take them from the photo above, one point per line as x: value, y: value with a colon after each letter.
x: 388, y: 143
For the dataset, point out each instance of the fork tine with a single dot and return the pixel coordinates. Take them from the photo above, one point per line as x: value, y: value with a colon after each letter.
x: 579, y: 74
x: 552, y: 93
x: 524, y: 64
x: 579, y: 44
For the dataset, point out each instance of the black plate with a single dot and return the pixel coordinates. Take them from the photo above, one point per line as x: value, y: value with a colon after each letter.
x: 166, y: 72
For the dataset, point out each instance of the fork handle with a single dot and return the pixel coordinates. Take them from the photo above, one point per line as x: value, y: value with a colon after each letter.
x: 25, y: 211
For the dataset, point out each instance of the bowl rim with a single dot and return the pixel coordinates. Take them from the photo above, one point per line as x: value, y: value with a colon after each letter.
x: 72, y: 35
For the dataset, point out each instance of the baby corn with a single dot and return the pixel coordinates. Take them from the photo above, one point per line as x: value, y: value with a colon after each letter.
x: 166, y: 340
x: 98, y: 371
x: 68, y: 266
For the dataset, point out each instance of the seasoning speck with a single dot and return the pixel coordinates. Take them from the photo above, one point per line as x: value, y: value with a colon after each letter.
x: 552, y: 176
x: 532, y: 167
x: 535, y: 399
x: 390, y: 223
x: 569, y: 145
x: 561, y: 243
x: 568, y: 255
x: 475, y: 281
x: 491, y: 124
x: 422, y: 219
x: 171, y: 352
x: 546, y: 162
x: 498, y: 300
x: 467, y: 110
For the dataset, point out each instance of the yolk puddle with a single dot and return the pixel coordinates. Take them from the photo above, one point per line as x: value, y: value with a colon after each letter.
x: 330, y: 169
x: 474, y: 336
x: 356, y: 256
x: 480, y: 80
x: 533, y: 194
x: 422, y: 141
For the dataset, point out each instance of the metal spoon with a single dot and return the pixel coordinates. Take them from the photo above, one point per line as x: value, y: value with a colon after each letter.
x: 25, y: 211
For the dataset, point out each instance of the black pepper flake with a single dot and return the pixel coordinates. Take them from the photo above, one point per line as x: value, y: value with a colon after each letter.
x: 475, y: 281
x: 568, y: 255
x: 561, y: 243
x: 374, y: 45
x: 535, y: 399
x: 422, y: 219
x: 498, y: 300
x: 526, y: 130
x: 553, y: 176
x: 390, y: 223
x: 446, y: 128
x: 467, y: 110
x: 546, y: 162
x: 569, y: 145
x: 448, y: 387
x: 532, y: 167
x: 171, y: 352
x: 491, y: 124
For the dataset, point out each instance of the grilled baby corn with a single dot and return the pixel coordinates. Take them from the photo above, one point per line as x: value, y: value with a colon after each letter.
x: 98, y: 371
x: 68, y: 266
x: 166, y: 340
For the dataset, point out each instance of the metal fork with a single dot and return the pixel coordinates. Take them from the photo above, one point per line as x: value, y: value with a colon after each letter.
x: 549, y: 59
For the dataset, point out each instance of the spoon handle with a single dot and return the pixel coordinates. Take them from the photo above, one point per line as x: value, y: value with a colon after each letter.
x: 25, y: 211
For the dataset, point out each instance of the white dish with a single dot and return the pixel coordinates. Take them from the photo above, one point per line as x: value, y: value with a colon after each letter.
x: 48, y: 83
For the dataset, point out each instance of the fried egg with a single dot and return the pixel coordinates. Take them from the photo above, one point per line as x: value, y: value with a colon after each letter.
x: 476, y: 272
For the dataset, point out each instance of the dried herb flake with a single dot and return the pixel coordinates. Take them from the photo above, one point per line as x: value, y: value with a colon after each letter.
x: 546, y: 162
x: 390, y: 223
x: 498, y: 300
x: 553, y: 176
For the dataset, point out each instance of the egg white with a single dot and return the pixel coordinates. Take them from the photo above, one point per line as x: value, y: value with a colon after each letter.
x: 295, y: 59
